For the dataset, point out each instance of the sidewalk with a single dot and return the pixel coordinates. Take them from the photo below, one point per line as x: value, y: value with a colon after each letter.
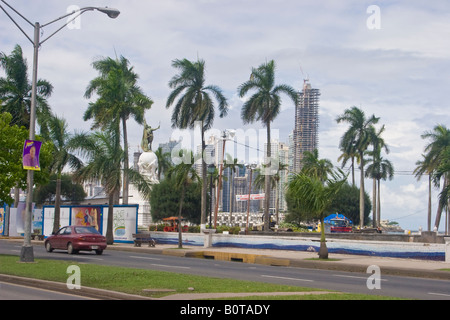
x: 302, y: 259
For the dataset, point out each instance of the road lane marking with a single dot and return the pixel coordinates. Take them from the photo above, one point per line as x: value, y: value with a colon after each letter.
x: 439, y: 294
x: 167, y: 266
x: 356, y: 277
x: 286, y: 278
x: 145, y: 258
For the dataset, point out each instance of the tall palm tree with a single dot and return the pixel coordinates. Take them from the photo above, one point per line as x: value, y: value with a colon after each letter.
x: 15, y: 91
x: 184, y: 174
x: 61, y: 157
x: 103, y: 155
x: 379, y: 169
x: 423, y: 168
x: 360, y: 133
x: 264, y: 105
x: 195, y: 104
x: 315, y: 196
x: 435, y: 154
x: 378, y: 144
x: 349, y: 152
x: 119, y: 98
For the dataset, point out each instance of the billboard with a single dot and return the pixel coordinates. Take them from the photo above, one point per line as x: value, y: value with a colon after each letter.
x: 124, y: 219
x: 244, y: 197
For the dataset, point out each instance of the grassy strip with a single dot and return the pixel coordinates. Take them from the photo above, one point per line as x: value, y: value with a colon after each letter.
x: 134, y: 281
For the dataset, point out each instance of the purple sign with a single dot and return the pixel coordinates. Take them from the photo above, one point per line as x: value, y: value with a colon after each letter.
x: 30, y: 157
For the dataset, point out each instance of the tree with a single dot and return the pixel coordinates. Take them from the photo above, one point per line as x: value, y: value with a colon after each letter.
x: 264, y: 105
x: 183, y: 174
x: 12, y: 174
x: 313, y: 166
x: 15, y: 91
x: 12, y: 138
x: 379, y: 169
x: 164, y: 162
x: 424, y: 168
x: 436, y: 155
x: 61, y: 157
x: 119, y: 98
x: 315, y: 196
x: 194, y: 104
x: 69, y: 190
x: 103, y: 155
x: 346, y: 203
x: 359, y: 134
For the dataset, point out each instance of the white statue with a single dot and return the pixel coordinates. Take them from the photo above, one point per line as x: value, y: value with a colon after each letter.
x: 148, y: 166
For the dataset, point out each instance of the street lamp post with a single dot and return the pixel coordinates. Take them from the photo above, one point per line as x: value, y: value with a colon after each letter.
x: 227, y: 134
x: 26, y: 254
x: 250, y: 167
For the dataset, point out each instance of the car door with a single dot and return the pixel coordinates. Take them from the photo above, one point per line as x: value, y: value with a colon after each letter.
x: 65, y: 237
x: 56, y: 239
x: 61, y: 238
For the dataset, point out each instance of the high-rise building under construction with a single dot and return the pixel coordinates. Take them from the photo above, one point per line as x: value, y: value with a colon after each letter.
x: 306, y: 130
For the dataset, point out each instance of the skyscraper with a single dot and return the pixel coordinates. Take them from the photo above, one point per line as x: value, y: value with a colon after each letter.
x: 306, y: 130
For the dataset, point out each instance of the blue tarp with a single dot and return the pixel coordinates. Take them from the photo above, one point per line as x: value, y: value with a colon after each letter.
x: 334, y: 216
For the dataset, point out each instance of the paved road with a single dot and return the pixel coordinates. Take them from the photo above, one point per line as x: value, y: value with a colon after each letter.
x: 352, y: 282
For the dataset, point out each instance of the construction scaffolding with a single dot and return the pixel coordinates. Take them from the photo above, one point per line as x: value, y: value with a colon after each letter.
x: 306, y: 131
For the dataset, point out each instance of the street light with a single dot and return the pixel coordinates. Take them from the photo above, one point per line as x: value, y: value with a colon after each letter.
x: 211, y: 169
x: 250, y: 167
x: 227, y: 135
x: 26, y: 254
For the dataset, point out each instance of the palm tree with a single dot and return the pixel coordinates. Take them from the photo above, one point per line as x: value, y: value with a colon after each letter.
x: 378, y: 144
x: 61, y: 157
x: 119, y: 98
x: 15, y: 95
x: 315, y: 196
x: 104, y: 156
x: 435, y: 156
x: 164, y: 163
x: 443, y: 170
x: 424, y: 168
x: 313, y: 166
x: 15, y: 91
x: 348, y: 153
x: 379, y: 169
x: 184, y: 174
x: 264, y: 106
x: 359, y: 133
x: 194, y: 104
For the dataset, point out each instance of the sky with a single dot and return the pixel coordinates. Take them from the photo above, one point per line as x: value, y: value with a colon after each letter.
x: 389, y: 58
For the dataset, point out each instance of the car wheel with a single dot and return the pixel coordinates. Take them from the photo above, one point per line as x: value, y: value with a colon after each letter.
x: 98, y: 252
x: 48, y: 246
x: 70, y: 249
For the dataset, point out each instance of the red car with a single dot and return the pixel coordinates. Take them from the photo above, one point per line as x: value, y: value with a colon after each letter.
x: 76, y: 238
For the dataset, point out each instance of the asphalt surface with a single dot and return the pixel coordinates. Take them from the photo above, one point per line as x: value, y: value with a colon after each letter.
x: 349, y: 263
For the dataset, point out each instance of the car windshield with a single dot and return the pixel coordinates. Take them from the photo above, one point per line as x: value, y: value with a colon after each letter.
x: 86, y: 230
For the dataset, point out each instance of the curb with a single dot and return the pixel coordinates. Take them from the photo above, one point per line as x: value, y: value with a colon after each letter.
x: 88, y: 292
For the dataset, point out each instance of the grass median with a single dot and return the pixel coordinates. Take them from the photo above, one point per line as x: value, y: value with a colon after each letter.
x: 135, y: 281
